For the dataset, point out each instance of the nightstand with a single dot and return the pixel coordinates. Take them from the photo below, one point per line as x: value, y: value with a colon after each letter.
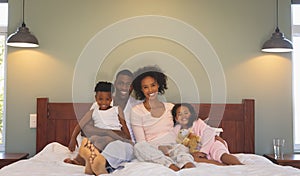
x: 287, y: 160
x: 8, y: 158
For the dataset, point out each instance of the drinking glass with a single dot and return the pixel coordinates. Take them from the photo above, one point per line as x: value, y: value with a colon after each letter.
x: 278, y: 145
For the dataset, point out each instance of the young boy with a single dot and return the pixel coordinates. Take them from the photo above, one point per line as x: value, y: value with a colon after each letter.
x: 104, y: 116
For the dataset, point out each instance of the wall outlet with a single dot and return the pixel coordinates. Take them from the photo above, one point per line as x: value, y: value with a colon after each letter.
x: 32, y: 121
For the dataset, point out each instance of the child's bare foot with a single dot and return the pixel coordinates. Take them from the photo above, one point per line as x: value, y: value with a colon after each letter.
x: 97, y: 161
x: 174, y: 167
x: 230, y: 159
x: 70, y: 161
x: 188, y: 165
x: 77, y: 160
x: 84, y: 152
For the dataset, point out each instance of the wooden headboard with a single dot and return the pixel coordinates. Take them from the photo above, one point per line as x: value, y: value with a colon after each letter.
x: 56, y: 121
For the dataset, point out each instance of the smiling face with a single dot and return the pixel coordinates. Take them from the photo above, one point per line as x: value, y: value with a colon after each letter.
x: 183, y: 115
x: 149, y: 87
x: 103, y: 99
x: 123, y: 86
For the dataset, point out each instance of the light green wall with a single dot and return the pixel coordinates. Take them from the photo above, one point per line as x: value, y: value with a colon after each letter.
x: 235, y: 30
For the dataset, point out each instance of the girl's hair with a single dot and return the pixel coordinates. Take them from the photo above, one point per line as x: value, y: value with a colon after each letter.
x: 191, y: 109
x: 155, y: 73
x: 103, y: 86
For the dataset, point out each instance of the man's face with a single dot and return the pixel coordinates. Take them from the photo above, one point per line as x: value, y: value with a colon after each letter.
x: 123, y: 86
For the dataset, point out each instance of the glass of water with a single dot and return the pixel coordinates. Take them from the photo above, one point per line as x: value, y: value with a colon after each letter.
x: 278, y: 145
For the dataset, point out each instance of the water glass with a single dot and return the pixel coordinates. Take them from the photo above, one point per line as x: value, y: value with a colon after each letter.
x: 278, y: 145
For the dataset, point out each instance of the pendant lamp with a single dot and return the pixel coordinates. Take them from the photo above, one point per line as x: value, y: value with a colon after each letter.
x: 277, y: 43
x: 22, y: 37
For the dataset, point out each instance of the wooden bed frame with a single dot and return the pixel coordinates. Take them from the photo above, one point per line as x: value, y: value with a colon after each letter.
x: 56, y: 121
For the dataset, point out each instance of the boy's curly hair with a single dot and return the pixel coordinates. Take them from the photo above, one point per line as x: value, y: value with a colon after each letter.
x: 152, y: 71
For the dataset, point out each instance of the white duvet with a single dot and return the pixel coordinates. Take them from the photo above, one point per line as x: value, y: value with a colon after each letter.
x: 50, y: 162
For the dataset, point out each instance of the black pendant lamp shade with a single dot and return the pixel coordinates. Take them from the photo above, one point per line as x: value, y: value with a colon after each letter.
x: 277, y: 43
x: 22, y: 37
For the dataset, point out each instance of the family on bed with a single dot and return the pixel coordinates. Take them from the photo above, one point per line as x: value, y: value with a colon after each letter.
x: 119, y: 128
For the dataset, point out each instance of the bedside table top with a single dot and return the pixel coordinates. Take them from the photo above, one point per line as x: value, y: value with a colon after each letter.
x: 287, y: 160
x: 12, y: 156
x: 286, y: 157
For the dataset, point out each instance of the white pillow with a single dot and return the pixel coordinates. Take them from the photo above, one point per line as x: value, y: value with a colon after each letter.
x: 79, y: 139
x: 218, y: 131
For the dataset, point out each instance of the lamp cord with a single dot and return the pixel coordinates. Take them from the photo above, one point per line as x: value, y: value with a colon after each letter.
x: 23, y: 23
x: 277, y: 13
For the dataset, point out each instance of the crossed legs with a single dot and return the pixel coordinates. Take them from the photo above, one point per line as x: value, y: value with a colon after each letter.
x: 94, y: 160
x: 99, y: 141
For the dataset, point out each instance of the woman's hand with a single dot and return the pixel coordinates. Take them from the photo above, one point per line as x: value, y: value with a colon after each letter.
x: 165, y: 149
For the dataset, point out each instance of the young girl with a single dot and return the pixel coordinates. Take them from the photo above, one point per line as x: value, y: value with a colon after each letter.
x: 185, y: 118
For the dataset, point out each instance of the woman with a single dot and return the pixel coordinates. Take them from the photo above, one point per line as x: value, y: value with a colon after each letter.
x: 152, y: 122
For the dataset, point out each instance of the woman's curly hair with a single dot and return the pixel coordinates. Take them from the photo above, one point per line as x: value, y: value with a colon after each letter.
x: 152, y: 71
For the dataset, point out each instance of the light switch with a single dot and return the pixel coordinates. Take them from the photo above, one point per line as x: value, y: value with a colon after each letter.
x: 32, y: 123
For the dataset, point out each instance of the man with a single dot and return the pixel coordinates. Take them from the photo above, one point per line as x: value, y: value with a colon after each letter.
x: 122, y: 99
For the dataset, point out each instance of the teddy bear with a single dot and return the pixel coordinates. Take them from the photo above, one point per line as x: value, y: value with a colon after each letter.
x: 188, y: 139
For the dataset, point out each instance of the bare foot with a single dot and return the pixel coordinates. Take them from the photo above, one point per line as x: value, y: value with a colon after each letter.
x: 70, y: 161
x: 230, y: 159
x: 97, y: 161
x: 188, y: 165
x: 77, y: 160
x: 84, y: 152
x: 174, y: 167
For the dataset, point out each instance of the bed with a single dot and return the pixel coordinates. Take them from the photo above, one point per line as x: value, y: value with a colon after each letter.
x: 56, y: 120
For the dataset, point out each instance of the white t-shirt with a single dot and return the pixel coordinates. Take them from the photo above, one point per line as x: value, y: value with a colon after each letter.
x: 107, y: 119
x: 127, y: 111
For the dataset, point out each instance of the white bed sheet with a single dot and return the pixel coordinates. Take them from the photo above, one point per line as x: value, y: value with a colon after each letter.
x: 50, y: 162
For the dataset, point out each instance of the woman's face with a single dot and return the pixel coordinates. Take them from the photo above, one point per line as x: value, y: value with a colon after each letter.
x: 149, y: 87
x: 183, y: 115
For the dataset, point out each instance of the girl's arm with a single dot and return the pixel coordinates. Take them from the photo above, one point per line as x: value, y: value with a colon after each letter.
x: 137, y: 126
x: 85, y: 119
